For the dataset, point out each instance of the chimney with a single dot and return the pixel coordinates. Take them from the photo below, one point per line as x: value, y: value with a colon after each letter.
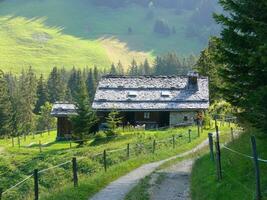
x: 193, y: 80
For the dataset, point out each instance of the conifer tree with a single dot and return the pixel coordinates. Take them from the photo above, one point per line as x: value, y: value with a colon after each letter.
x: 90, y: 83
x: 45, y: 117
x: 86, y: 119
x: 133, y: 71
x: 207, y: 66
x: 56, y: 86
x: 113, y: 70
x: 27, y: 100
x: 5, y: 107
x: 42, y: 95
x: 120, y: 68
x: 243, y: 52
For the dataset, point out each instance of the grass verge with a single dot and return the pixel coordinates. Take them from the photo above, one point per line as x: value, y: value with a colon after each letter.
x: 238, y: 172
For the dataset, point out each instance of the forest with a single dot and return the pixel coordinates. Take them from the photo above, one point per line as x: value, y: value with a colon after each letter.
x: 25, y: 99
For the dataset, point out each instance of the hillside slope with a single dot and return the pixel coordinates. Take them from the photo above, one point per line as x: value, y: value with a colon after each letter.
x: 28, y: 42
x: 190, y: 21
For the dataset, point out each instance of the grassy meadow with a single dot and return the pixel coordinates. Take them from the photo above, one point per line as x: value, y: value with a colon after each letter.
x: 18, y: 162
x: 82, y: 19
x: 28, y: 42
x: 237, y: 171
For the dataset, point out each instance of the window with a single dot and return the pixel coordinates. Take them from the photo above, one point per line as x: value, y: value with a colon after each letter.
x: 165, y: 94
x: 132, y: 94
x: 146, y: 115
x: 185, y: 118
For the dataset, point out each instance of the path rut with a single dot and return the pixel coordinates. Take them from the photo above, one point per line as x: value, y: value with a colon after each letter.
x: 118, y: 189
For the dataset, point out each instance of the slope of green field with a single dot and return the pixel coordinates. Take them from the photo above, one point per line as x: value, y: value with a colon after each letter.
x: 82, y: 19
x: 16, y: 163
x: 25, y: 43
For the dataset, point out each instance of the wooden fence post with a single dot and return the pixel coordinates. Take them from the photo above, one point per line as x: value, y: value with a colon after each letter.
x: 128, y: 150
x: 257, y: 168
x: 32, y: 135
x: 70, y: 144
x: 75, y: 173
x: 218, y: 161
x: 211, y: 146
x: 105, y: 160
x: 232, y: 134
x: 173, y: 141
x: 36, y: 186
x: 40, y: 146
x: 12, y: 141
x: 198, y: 130
x: 154, y: 146
x: 189, y: 135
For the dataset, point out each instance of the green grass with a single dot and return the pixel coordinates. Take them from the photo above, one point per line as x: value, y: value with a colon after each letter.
x: 28, y: 42
x: 84, y: 20
x: 238, y: 172
x: 16, y: 163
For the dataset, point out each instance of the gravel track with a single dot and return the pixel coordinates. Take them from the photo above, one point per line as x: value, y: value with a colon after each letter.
x: 118, y: 189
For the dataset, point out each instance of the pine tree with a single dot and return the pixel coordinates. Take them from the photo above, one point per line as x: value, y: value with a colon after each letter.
x: 42, y: 95
x: 243, y: 52
x: 120, y: 68
x: 90, y: 83
x: 113, y: 70
x: 72, y: 83
x: 207, y: 66
x: 96, y: 75
x: 145, y: 68
x: 113, y: 120
x: 86, y: 119
x: 133, y: 71
x: 5, y: 107
x: 56, y: 86
x: 27, y: 100
x: 45, y: 117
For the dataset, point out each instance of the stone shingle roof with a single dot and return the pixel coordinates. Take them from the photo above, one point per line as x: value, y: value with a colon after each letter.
x: 61, y: 109
x: 151, y: 93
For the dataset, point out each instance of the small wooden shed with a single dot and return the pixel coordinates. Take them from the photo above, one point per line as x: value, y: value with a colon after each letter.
x: 63, y: 111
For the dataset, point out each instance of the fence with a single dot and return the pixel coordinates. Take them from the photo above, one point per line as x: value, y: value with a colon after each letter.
x: 107, y: 158
x: 217, y: 158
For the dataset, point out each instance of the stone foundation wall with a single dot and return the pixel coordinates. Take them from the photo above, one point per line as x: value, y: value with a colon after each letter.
x: 182, y: 117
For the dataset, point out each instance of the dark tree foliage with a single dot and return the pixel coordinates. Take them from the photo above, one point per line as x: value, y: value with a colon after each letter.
x: 26, y: 101
x: 162, y: 27
x: 169, y: 65
x: 207, y: 66
x: 133, y: 70
x: 56, y: 85
x: 113, y: 70
x: 5, y: 107
x: 86, y: 119
x: 243, y: 52
x: 90, y: 85
x: 42, y: 94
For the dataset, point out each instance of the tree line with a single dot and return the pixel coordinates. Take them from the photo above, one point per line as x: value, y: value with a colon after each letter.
x: 236, y: 62
x: 26, y: 99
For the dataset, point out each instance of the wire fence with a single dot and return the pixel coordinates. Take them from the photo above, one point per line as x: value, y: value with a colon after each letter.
x: 103, y: 160
x: 238, y: 155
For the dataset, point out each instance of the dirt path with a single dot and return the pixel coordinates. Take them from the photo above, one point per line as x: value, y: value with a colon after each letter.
x: 172, y: 183
x: 117, y: 190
